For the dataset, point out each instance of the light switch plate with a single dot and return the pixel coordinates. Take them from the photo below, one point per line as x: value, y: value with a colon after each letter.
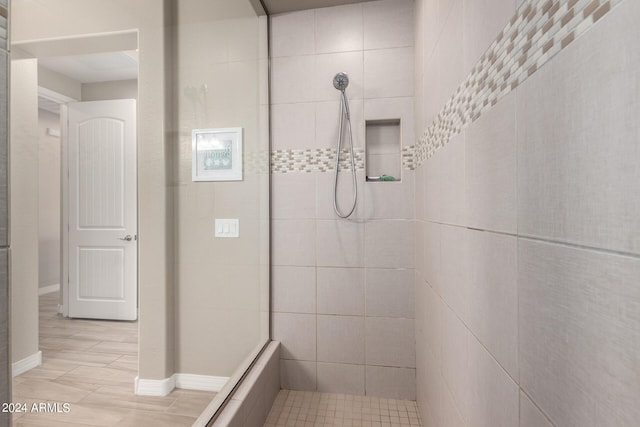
x: 227, y: 228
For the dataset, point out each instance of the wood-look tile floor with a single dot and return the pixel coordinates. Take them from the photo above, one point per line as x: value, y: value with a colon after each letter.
x: 91, y: 365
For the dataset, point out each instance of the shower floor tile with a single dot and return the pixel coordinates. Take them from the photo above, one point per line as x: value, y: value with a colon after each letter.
x: 311, y: 409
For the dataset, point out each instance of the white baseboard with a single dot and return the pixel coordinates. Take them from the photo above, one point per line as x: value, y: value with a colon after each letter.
x: 200, y: 382
x: 26, y: 364
x: 155, y: 387
x: 48, y: 289
x: 185, y: 381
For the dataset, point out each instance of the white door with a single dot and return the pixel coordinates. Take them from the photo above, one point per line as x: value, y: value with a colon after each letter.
x: 102, y: 210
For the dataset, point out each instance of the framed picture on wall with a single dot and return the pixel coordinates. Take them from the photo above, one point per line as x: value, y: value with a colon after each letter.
x: 216, y: 154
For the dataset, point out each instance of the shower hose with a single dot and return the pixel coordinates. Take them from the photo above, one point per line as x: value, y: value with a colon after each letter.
x: 344, y: 112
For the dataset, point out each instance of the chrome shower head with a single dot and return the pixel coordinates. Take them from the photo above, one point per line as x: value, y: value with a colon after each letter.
x: 341, y: 81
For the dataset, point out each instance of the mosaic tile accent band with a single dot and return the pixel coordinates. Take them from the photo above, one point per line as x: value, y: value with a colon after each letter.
x: 537, y: 32
x: 324, y: 160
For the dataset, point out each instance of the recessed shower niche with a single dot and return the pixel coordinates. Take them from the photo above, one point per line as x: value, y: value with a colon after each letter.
x: 383, y: 150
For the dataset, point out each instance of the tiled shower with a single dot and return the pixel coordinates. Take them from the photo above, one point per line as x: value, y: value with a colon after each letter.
x: 515, y: 214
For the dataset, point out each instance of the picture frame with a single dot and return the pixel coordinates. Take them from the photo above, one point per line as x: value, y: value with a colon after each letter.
x: 216, y: 154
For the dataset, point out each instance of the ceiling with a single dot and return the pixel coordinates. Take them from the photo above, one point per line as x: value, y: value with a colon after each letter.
x: 281, y: 6
x: 100, y: 67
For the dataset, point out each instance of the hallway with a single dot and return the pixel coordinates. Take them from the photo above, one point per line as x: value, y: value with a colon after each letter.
x: 92, y: 364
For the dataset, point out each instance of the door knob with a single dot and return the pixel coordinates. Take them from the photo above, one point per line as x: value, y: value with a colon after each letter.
x: 128, y: 238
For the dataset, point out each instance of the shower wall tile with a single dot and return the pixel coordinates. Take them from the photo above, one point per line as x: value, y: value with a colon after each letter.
x: 341, y: 339
x: 493, y: 295
x: 452, y: 193
x: 293, y: 289
x: 577, y: 140
x: 293, y: 196
x: 390, y: 200
x: 327, y: 123
x: 341, y: 291
x: 390, y: 293
x: 483, y: 21
x: 389, y: 244
x: 433, y: 188
x: 290, y: 81
x: 579, y: 333
x: 339, y: 29
x: 324, y: 194
x: 293, y: 242
x: 454, y: 269
x: 390, y: 342
x: 293, y: 126
x: 388, y: 73
x: 388, y: 23
x: 530, y: 415
x: 296, y: 333
x: 293, y: 34
x: 391, y: 383
x: 341, y: 378
x: 490, y: 177
x: 297, y: 375
x: 493, y: 395
x: 455, y: 360
x: 327, y: 65
x: 341, y: 244
x: 433, y: 255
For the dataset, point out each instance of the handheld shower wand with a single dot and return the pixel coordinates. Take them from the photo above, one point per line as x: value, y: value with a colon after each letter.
x: 340, y: 82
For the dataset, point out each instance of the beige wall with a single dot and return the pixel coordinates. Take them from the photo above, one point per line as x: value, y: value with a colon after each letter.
x: 217, y: 85
x: 24, y: 139
x: 58, y: 83
x: 57, y: 18
x: 48, y: 199
x: 527, y: 257
x: 101, y: 91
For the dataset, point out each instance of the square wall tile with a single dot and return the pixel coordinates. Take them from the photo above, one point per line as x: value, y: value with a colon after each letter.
x: 340, y: 378
x: 293, y: 126
x: 297, y: 375
x: 341, y: 339
x: 389, y: 244
x: 328, y: 123
x: 388, y: 23
x: 293, y: 196
x: 579, y: 333
x: 390, y: 293
x: 328, y: 65
x: 391, y: 383
x: 493, y: 295
x: 432, y: 255
x: 290, y: 79
x: 490, y: 174
x: 341, y: 291
x: 293, y: 289
x: 391, y: 200
x: 530, y: 415
x: 390, y: 342
x: 293, y: 242
x: 341, y: 244
x: 339, y: 29
x: 293, y: 34
x: 388, y: 73
x: 296, y: 333
x: 325, y: 193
